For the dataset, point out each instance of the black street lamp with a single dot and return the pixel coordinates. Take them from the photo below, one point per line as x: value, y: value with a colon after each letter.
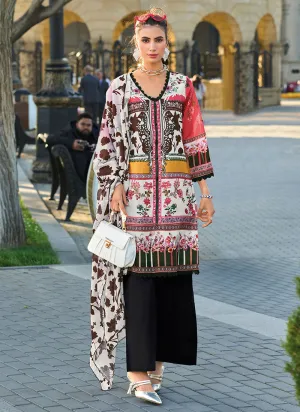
x: 57, y: 101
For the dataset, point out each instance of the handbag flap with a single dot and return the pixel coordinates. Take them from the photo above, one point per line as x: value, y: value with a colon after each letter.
x: 107, y: 231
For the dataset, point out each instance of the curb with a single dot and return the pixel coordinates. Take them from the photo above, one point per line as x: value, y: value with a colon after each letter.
x: 82, y: 271
x: 290, y: 95
x: 61, y: 242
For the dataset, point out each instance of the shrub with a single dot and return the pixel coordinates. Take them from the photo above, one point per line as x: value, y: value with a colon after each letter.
x: 37, y: 249
x: 292, y: 344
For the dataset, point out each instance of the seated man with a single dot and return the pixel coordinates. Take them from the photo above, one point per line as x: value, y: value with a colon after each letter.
x: 80, y: 137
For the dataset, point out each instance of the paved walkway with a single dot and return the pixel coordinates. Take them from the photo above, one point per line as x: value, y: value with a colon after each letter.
x: 233, y: 151
x: 244, y: 295
x: 61, y: 241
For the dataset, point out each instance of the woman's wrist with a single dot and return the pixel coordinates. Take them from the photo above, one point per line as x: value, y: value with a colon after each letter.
x: 203, y: 187
x: 206, y: 196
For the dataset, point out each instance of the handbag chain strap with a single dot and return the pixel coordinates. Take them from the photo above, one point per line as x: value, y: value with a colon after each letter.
x: 123, y: 217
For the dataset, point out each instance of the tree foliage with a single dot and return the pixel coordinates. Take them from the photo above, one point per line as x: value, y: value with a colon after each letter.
x: 292, y: 344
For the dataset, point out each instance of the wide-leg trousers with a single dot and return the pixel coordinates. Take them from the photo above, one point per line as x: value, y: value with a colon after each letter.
x: 160, y: 321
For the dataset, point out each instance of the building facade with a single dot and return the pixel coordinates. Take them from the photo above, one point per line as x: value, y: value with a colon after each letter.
x: 290, y: 37
x: 236, y: 44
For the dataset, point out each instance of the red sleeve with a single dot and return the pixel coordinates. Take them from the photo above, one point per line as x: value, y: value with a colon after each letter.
x: 194, y: 137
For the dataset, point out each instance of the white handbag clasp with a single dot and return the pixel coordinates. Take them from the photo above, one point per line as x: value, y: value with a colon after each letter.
x: 108, y: 243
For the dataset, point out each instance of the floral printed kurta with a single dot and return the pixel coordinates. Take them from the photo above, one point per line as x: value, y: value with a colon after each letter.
x: 155, y: 148
x: 168, y: 151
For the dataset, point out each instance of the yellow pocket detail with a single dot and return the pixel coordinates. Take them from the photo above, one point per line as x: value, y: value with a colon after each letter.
x: 177, y: 166
x: 139, y: 168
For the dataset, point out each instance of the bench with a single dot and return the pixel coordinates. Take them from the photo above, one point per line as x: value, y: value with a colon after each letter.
x: 64, y: 176
x: 22, y: 138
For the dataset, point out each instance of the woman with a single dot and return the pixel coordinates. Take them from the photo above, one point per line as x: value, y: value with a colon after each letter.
x: 200, y: 89
x: 151, y: 147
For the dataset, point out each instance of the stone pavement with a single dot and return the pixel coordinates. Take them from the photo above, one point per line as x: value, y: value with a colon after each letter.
x: 244, y: 294
x: 239, y: 161
x: 44, y: 356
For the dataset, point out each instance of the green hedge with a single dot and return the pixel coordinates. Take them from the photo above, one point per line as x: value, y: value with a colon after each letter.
x: 292, y: 344
x: 36, y: 251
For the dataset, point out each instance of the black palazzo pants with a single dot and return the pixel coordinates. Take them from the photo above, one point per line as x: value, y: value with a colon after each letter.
x: 160, y: 321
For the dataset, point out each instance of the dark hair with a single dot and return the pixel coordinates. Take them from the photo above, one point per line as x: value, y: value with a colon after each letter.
x: 196, y: 80
x: 84, y: 115
x: 152, y: 22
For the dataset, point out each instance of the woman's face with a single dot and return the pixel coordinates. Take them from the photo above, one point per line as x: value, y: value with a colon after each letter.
x: 151, y: 41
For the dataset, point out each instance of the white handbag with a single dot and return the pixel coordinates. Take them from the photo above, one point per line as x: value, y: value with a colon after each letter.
x: 113, y: 244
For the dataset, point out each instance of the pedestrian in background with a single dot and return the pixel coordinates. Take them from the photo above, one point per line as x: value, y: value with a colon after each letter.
x: 80, y: 137
x: 152, y: 147
x: 200, y: 89
x: 104, y: 85
x: 90, y: 89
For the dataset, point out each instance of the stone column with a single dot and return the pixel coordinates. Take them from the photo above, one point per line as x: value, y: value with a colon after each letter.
x: 244, y: 79
x: 277, y: 53
x: 227, y: 56
x: 29, y: 70
x: 57, y: 101
x: 17, y: 83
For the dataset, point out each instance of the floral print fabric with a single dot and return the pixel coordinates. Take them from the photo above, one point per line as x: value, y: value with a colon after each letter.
x: 107, y: 301
x: 155, y: 148
x: 168, y: 151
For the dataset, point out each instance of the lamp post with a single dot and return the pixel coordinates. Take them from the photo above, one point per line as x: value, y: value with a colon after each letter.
x: 57, y: 102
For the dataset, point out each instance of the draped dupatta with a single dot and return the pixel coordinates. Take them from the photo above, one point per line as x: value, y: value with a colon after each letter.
x: 111, y: 168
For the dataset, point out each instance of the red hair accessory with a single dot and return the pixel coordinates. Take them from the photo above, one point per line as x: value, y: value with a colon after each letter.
x: 144, y: 17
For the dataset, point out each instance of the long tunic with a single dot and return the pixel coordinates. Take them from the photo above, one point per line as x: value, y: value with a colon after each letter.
x: 155, y: 148
x: 168, y: 151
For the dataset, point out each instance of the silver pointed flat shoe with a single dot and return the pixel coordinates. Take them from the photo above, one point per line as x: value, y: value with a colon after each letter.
x: 157, y: 386
x: 151, y: 397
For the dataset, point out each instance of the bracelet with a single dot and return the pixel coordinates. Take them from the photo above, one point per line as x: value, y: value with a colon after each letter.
x: 206, y: 196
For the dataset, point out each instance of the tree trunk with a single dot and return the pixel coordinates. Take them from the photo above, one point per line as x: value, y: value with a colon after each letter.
x: 12, y: 232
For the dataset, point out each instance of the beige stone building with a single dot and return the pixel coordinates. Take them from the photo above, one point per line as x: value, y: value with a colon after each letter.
x: 224, y: 31
x: 290, y: 37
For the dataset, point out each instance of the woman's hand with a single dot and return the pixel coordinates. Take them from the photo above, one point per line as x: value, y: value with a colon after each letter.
x: 206, y: 211
x: 118, y: 200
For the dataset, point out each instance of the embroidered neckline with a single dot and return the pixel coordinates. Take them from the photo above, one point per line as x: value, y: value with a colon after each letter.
x: 155, y: 99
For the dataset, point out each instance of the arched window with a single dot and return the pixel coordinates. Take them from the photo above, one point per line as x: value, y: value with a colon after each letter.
x: 126, y: 37
x: 76, y: 34
x: 127, y: 47
x: 205, y: 58
x: 207, y: 37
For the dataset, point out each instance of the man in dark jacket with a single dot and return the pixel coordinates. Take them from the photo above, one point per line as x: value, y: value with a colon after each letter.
x: 103, y: 89
x: 90, y: 89
x: 80, y: 137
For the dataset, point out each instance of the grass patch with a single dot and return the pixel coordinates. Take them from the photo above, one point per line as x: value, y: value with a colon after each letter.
x: 36, y: 251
